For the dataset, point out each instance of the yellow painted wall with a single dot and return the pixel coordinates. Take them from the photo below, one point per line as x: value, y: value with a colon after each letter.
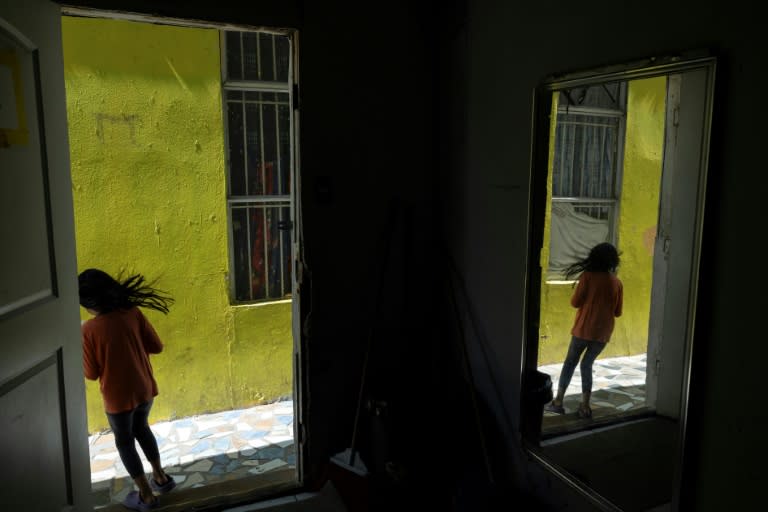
x: 643, y: 152
x: 146, y: 140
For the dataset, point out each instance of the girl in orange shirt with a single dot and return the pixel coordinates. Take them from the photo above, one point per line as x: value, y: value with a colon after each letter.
x: 116, y: 347
x: 599, y: 298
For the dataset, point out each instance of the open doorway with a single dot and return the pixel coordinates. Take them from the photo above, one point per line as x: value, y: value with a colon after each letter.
x: 183, y: 168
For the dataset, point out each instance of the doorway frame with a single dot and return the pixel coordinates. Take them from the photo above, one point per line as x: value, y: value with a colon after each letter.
x: 532, y: 386
x: 299, y: 394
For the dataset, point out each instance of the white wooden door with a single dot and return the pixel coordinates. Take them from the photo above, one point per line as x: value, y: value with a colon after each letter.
x: 678, y: 244
x: 662, y: 243
x: 43, y: 429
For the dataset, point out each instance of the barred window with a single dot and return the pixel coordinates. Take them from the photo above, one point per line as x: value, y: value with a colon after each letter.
x: 586, y: 170
x: 257, y: 96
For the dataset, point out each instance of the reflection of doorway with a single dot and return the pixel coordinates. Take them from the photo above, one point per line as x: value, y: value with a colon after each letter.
x: 185, y: 173
x: 606, y: 168
x: 612, y: 178
x: 587, y: 453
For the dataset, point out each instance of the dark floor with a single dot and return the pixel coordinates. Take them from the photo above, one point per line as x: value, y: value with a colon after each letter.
x: 630, y: 464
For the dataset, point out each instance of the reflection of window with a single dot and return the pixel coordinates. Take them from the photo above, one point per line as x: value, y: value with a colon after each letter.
x: 586, y: 171
x: 258, y: 116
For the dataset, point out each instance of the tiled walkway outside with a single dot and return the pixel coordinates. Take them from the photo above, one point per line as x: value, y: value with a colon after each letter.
x: 203, y: 449
x: 618, y: 384
x: 229, y: 445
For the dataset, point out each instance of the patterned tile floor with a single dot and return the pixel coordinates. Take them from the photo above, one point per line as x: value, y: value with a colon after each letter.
x: 618, y: 385
x: 228, y: 445
x: 202, y: 449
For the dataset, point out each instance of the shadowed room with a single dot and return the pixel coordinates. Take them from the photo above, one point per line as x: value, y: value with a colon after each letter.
x: 385, y: 269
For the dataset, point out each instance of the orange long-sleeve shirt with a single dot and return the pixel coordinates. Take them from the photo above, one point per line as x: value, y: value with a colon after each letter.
x: 599, y: 297
x: 116, y: 348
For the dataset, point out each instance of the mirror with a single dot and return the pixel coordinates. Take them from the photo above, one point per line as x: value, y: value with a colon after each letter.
x: 620, y: 157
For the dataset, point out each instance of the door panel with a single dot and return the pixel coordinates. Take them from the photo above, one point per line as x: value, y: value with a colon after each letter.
x: 662, y: 244
x: 678, y: 242
x: 42, y: 402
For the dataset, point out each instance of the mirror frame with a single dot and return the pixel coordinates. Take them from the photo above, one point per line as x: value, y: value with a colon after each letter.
x: 530, y: 413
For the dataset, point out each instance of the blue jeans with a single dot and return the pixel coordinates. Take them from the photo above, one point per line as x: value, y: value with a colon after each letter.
x: 575, y: 349
x: 133, y: 426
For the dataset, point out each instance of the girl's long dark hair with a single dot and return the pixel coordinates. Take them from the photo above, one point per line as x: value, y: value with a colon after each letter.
x: 101, y: 292
x: 602, y: 258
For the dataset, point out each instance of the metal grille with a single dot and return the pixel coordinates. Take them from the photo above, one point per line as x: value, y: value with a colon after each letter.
x: 585, y: 156
x: 585, y: 174
x: 259, y: 127
x: 262, y: 250
x: 600, y: 210
x: 257, y: 56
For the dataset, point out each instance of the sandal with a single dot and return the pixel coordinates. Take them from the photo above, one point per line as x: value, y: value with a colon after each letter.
x: 164, y: 488
x: 584, y: 412
x: 557, y: 409
x: 133, y: 502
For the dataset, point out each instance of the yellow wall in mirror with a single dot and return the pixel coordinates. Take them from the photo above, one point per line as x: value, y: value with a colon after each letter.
x: 638, y: 211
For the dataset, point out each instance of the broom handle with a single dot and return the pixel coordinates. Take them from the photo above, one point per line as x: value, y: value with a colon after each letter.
x: 387, y: 244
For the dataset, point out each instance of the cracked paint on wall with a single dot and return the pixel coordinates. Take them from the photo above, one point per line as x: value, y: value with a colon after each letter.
x: 146, y: 144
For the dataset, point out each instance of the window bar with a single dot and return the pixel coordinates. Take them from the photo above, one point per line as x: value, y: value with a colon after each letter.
x: 258, y: 56
x: 615, y: 164
x: 256, y: 85
x: 277, y: 114
x: 565, y: 168
x: 598, y: 164
x: 606, y: 164
x: 263, y: 165
x: 242, y: 56
x: 609, y: 174
x: 274, y: 58
x: 249, y: 255
x: 259, y: 199
x: 595, y: 200
x: 247, y: 183
x: 587, y: 123
x: 571, y: 161
x: 583, y: 163
x: 601, y: 163
x: 557, y: 159
x: 279, y: 173
x: 593, y: 176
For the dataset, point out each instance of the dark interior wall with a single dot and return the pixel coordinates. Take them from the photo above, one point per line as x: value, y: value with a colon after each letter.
x: 510, y: 49
x: 366, y: 128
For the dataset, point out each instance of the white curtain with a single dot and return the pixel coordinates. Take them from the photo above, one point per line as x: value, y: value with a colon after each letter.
x: 572, y: 236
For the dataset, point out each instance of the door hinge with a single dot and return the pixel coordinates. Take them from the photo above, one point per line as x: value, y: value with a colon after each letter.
x: 295, y: 96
